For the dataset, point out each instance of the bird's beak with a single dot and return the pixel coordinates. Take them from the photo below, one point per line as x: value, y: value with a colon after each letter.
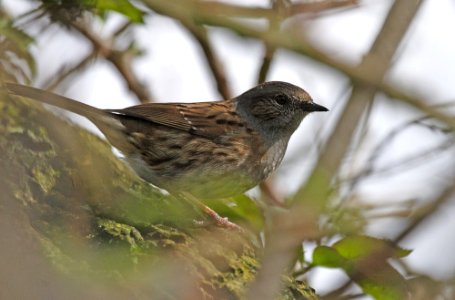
x: 311, y: 106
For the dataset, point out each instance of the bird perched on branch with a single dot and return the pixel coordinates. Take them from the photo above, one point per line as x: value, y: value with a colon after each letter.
x: 209, y: 150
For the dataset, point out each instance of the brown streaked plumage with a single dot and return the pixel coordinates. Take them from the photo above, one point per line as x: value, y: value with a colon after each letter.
x: 208, y: 149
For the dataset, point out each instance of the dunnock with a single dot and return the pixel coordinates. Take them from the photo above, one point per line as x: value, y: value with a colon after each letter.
x: 208, y: 149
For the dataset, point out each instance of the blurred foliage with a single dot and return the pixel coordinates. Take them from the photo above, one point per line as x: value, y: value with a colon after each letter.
x: 365, y: 261
x: 16, y: 62
x: 67, y: 10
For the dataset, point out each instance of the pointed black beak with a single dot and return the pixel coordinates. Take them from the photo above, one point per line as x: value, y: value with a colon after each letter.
x: 311, y: 106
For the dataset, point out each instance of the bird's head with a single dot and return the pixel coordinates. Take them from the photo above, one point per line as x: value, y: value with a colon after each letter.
x: 276, y: 108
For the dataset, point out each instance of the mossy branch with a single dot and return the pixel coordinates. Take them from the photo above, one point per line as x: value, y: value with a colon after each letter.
x: 89, y: 217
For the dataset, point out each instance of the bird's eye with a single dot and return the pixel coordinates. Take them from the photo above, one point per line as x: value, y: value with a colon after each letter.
x: 281, y: 99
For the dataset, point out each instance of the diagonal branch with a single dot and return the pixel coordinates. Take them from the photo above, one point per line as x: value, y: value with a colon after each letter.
x: 429, y: 210
x: 240, y: 11
x: 200, y: 34
x: 120, y: 60
x: 313, y: 195
x: 279, y: 6
x: 319, y: 6
x: 67, y: 72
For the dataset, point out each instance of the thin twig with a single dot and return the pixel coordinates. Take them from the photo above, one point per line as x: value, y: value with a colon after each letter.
x: 369, y: 170
x: 444, y: 197
x: 269, y: 52
x: 336, y: 294
x: 122, y: 28
x: 120, y: 59
x: 200, y: 34
x: 62, y: 74
x: 412, y: 160
x: 279, y: 6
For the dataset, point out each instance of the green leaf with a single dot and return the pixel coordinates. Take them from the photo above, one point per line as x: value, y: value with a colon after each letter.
x: 365, y: 261
x: 382, y: 292
x: 384, y: 283
x: 121, y: 6
x: 353, y: 247
x: 325, y: 256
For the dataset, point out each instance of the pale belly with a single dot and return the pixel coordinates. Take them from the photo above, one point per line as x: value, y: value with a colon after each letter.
x: 218, y: 182
x: 212, y: 180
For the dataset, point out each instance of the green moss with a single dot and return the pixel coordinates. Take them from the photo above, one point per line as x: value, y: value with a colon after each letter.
x: 297, y: 290
x: 46, y: 177
x: 121, y: 231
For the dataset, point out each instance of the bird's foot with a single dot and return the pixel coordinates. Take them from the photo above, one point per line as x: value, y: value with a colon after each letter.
x: 221, y: 221
x: 217, y: 219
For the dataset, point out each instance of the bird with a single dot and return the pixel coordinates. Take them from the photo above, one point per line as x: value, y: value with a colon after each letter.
x: 209, y: 150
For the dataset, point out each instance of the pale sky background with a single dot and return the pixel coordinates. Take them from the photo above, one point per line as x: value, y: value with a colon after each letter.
x: 175, y: 71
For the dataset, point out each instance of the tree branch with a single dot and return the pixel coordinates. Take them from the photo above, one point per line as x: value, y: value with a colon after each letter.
x: 120, y: 60
x: 200, y: 34
x: 181, y: 10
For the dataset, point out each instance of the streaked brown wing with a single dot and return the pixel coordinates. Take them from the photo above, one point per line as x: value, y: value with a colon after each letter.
x: 207, y: 119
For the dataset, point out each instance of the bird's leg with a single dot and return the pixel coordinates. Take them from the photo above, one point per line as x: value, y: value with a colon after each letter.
x: 219, y: 221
